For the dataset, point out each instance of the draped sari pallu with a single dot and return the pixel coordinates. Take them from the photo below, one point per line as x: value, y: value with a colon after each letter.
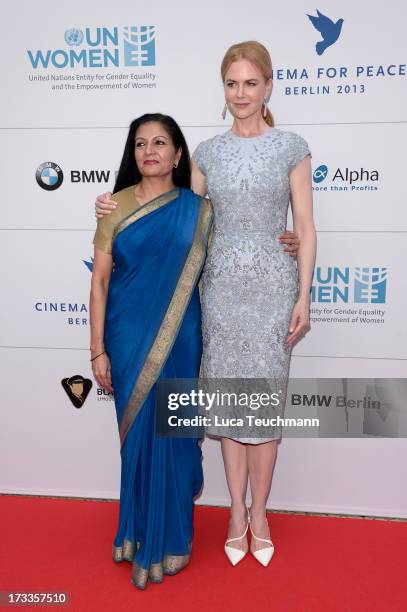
x: 153, y: 331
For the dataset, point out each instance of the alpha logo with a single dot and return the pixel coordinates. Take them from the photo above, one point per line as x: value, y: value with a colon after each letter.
x: 89, y: 264
x: 329, y: 30
x: 77, y: 389
x: 359, y: 285
x: 320, y: 174
x: 100, y: 47
x: 354, y: 176
x: 49, y: 176
x: 345, y: 179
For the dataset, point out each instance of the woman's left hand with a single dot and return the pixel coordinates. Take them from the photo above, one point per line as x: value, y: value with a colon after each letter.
x: 292, y: 242
x: 102, y: 371
x: 299, y: 324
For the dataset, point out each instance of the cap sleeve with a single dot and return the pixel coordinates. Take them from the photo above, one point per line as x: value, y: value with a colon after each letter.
x: 297, y: 150
x: 200, y: 156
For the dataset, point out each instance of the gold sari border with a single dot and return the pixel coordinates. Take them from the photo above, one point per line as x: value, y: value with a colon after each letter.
x: 167, y: 333
x: 169, y: 566
x: 146, y: 209
x: 125, y: 552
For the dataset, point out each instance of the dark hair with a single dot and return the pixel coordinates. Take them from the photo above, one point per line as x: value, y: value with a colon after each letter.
x: 129, y: 174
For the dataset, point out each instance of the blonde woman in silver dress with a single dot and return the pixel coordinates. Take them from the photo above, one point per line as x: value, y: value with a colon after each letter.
x: 255, y: 300
x: 255, y: 305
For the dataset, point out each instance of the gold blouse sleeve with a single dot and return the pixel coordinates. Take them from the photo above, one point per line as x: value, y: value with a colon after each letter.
x: 126, y: 203
x: 103, y: 238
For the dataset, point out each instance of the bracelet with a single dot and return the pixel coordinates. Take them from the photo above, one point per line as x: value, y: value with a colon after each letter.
x: 93, y: 359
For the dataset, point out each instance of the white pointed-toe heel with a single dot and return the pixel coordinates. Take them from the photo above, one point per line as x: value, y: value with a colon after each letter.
x: 264, y: 555
x: 235, y: 555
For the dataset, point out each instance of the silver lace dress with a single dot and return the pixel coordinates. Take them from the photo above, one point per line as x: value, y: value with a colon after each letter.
x: 249, y: 284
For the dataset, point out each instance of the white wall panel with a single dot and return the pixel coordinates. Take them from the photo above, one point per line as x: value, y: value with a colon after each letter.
x: 352, y: 122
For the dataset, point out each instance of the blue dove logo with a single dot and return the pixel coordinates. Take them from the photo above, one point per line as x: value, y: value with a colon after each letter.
x: 329, y: 30
x: 89, y: 264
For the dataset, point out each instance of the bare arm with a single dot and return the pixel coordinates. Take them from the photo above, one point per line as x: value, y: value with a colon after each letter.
x: 301, y: 202
x: 198, y: 180
x: 102, y: 269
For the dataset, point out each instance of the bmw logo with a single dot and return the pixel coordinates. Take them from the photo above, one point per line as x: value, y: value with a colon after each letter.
x: 49, y: 176
x: 320, y: 174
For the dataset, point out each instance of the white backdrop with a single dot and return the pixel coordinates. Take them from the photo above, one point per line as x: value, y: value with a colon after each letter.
x: 352, y: 122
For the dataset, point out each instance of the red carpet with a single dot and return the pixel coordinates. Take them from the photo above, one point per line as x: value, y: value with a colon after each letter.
x: 321, y: 563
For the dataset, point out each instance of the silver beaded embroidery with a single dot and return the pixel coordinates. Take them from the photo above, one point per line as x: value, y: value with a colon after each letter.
x: 249, y: 284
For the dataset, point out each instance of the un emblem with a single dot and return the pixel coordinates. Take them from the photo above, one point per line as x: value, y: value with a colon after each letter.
x: 73, y: 37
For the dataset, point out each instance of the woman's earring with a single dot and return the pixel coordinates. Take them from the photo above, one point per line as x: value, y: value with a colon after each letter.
x: 225, y: 108
x: 265, y: 108
x: 176, y: 165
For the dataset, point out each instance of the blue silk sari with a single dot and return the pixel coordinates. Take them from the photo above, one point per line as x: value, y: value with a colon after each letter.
x: 153, y: 331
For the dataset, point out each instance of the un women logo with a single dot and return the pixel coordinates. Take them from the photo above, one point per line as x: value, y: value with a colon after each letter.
x: 139, y: 45
x: 320, y: 174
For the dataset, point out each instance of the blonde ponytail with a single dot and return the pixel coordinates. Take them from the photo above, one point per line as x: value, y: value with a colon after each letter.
x: 269, y: 118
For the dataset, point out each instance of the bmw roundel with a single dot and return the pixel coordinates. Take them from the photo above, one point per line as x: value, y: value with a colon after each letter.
x: 49, y: 176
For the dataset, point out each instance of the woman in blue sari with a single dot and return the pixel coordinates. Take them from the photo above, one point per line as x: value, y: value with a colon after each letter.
x: 145, y: 326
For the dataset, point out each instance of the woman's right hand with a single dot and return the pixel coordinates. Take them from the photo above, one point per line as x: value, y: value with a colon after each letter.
x: 102, y: 372
x: 104, y: 205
